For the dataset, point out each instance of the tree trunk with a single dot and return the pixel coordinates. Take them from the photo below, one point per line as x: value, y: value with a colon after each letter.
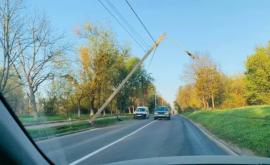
x: 204, y: 104
x: 91, y: 112
x: 33, y: 102
x: 104, y: 113
x: 79, y: 109
x: 213, y: 101
x: 111, y: 108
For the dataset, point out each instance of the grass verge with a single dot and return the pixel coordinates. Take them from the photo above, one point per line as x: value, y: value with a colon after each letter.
x: 44, y: 133
x: 247, y: 127
x: 30, y: 120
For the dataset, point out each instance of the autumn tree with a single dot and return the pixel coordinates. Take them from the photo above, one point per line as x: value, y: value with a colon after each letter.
x: 208, y: 85
x: 187, y: 98
x: 207, y: 79
x: 234, y: 92
x: 105, y: 64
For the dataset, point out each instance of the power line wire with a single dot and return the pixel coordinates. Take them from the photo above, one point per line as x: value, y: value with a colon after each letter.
x: 140, y: 20
x: 194, y: 57
x: 145, y: 28
x: 126, y: 22
x: 108, y: 10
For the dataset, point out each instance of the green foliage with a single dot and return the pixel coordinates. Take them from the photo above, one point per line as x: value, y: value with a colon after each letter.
x: 258, y: 76
x: 103, y: 66
x: 248, y: 127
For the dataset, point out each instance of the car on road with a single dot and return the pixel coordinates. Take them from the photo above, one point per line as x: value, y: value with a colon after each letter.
x: 162, y: 112
x: 141, y: 112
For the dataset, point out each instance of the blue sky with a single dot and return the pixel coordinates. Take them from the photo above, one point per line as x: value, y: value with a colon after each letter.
x: 226, y: 30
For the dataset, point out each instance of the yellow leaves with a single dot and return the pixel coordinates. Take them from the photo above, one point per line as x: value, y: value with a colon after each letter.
x: 187, y: 97
x: 85, y: 58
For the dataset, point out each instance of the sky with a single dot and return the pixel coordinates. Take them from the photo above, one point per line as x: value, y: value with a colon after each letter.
x: 228, y: 31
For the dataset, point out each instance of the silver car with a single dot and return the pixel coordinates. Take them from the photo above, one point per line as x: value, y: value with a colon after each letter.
x: 162, y: 113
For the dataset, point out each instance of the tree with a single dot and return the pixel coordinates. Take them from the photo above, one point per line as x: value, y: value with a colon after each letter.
x: 205, y: 76
x: 187, y: 98
x: 258, y: 76
x: 11, y: 34
x: 37, y: 55
x: 235, y: 92
x: 14, y: 94
x: 104, y: 64
x: 208, y: 85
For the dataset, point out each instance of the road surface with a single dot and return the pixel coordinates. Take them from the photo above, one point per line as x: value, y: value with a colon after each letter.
x: 132, y: 139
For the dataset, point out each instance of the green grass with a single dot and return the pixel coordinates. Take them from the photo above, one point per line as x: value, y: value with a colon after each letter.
x: 27, y: 119
x: 54, y: 131
x: 32, y: 120
x: 248, y: 127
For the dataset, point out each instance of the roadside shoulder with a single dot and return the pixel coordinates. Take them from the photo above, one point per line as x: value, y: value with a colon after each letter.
x: 227, y: 146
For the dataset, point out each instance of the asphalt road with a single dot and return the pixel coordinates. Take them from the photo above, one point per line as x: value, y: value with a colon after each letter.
x: 131, y: 140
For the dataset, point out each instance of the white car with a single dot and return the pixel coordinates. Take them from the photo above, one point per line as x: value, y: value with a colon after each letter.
x: 141, y: 112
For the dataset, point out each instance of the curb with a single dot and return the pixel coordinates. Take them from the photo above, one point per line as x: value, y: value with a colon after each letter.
x: 214, y: 138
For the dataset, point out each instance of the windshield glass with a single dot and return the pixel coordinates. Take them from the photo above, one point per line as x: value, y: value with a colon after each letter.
x: 162, y: 109
x: 140, y: 110
x: 197, y: 72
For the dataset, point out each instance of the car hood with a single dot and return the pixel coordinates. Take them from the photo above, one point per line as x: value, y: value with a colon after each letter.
x: 197, y: 160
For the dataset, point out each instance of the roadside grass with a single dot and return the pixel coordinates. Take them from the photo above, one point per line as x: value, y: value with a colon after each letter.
x: 43, y: 118
x: 247, y: 127
x: 44, y: 133
x: 27, y: 119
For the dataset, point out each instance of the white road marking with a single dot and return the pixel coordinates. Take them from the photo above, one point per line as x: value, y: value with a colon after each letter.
x: 109, y: 145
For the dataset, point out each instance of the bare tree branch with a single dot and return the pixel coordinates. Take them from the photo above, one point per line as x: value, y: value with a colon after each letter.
x: 37, y: 55
x: 10, y: 33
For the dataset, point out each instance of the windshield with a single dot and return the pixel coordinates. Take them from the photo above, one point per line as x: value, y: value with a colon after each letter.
x: 140, y: 110
x: 162, y: 109
x: 77, y: 72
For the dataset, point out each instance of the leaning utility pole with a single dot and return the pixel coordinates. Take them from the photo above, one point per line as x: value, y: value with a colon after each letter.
x: 127, y: 78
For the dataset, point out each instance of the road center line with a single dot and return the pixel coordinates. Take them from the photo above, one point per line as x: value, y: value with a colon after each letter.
x: 109, y: 145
